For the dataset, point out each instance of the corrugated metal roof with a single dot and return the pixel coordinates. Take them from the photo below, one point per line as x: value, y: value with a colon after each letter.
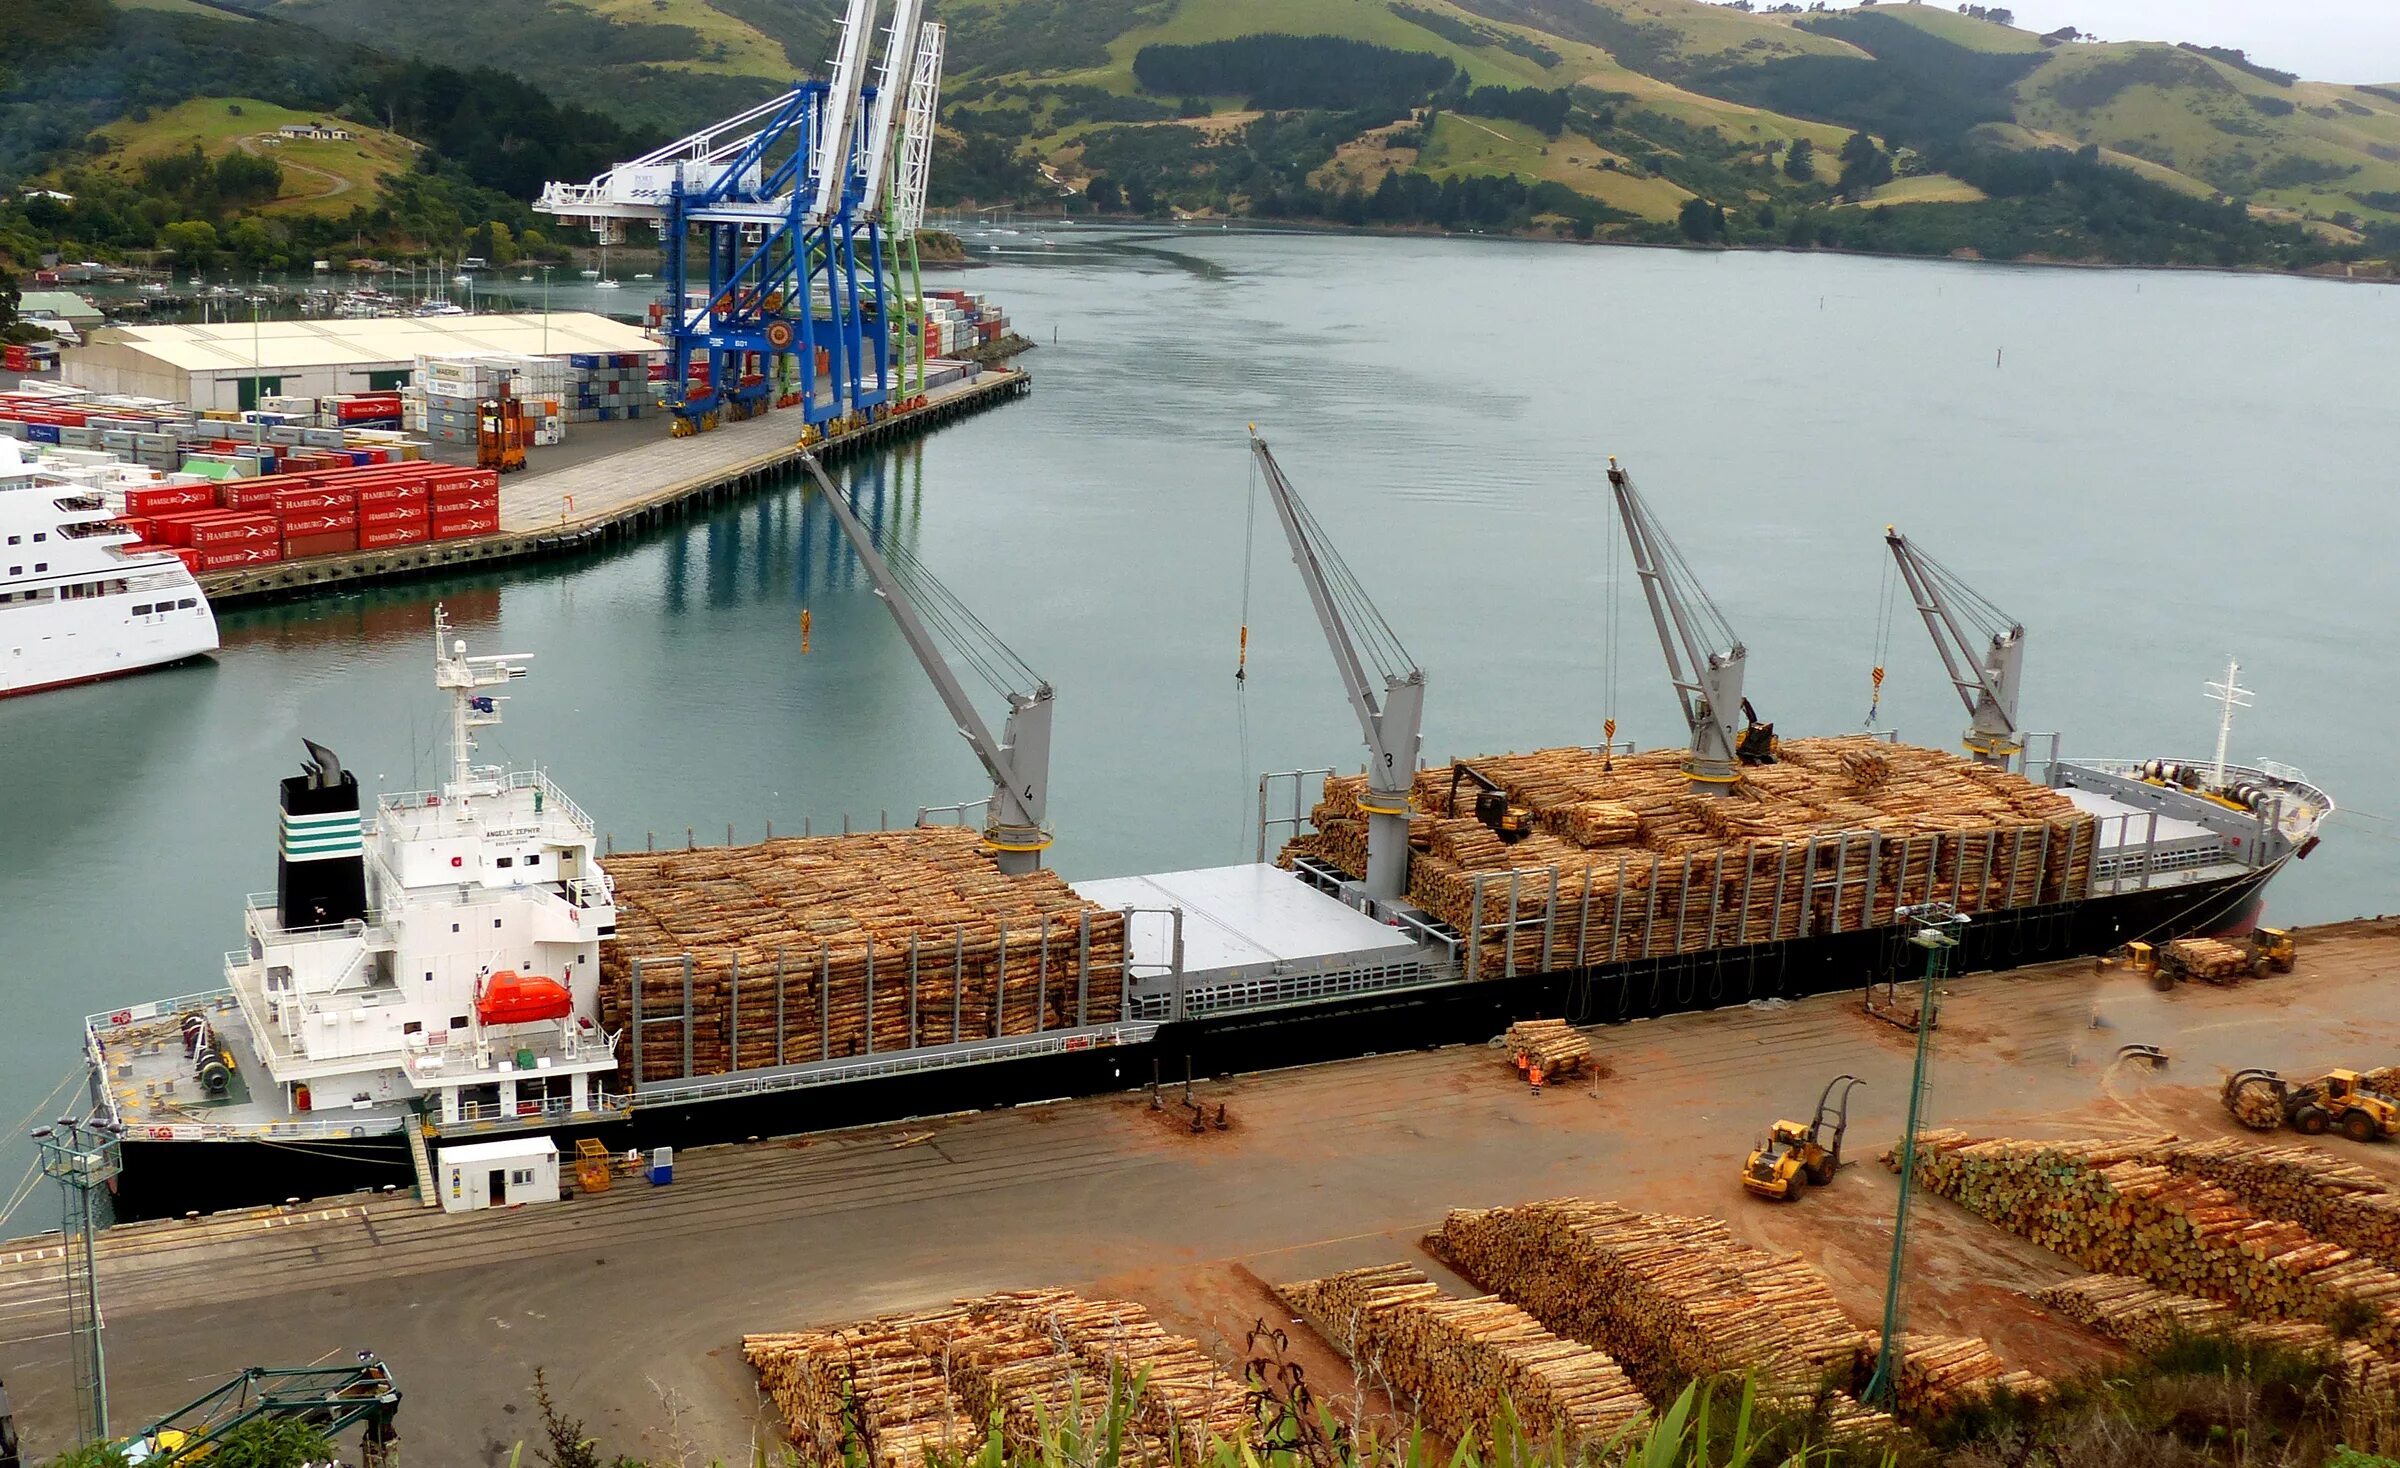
x: 65, y: 305
x: 270, y: 345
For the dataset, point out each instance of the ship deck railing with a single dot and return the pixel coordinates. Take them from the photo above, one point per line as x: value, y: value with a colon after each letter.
x: 2311, y: 804
x: 556, y: 804
x: 897, y: 1063
x: 476, y: 1118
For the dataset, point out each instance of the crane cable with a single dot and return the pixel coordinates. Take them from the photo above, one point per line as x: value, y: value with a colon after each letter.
x: 1888, y: 599
x: 1241, y: 668
x: 1608, y: 664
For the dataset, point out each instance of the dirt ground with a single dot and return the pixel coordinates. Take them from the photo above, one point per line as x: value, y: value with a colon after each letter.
x: 635, y: 1301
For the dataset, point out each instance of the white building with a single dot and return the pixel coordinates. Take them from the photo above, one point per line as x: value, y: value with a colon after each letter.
x: 498, y: 1174
x: 315, y: 132
x: 234, y: 364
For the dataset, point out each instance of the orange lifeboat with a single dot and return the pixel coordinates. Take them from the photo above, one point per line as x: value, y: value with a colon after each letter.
x: 512, y: 998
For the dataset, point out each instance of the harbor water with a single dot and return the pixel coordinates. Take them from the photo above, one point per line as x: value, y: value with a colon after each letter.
x: 2152, y: 471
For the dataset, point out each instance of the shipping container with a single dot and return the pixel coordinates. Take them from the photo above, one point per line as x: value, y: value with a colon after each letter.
x: 383, y: 536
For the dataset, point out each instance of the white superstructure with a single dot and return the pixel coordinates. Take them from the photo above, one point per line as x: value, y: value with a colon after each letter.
x: 444, y: 958
x: 74, y: 605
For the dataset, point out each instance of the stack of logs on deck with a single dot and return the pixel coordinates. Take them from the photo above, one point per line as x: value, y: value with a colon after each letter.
x: 1642, y: 867
x: 1552, y: 1047
x: 899, y: 1387
x: 2118, y: 1207
x: 1452, y: 1362
x: 2148, y: 1319
x: 1671, y: 1299
x: 821, y: 948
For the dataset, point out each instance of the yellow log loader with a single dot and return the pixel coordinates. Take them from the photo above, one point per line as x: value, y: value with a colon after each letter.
x: 1794, y: 1156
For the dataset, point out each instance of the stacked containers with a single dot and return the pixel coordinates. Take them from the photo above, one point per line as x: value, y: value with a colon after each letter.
x: 606, y: 386
x: 455, y: 387
x: 334, y: 511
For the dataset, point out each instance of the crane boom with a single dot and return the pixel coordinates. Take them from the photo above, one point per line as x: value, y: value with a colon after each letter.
x: 1982, y: 649
x: 916, y: 131
x: 841, y: 107
x: 1391, y: 718
x: 1704, y: 657
x: 892, y: 80
x: 1019, y: 761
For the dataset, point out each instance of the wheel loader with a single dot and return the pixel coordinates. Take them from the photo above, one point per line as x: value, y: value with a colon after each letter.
x: 1794, y: 1156
x: 2339, y: 1100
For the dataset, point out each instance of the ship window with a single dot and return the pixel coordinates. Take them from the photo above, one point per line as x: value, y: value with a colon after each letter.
x: 40, y: 535
x: 506, y: 861
x: 186, y: 604
x: 16, y: 570
x: 140, y: 609
x: 458, y: 1021
x: 413, y: 1027
x: 16, y: 540
x: 534, y: 860
x: 454, y: 927
x: 41, y: 565
x: 495, y: 922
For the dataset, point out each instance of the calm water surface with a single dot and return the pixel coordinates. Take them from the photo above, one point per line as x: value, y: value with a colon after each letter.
x: 2150, y: 470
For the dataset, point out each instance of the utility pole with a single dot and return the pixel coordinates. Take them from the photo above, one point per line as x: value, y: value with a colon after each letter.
x: 1938, y: 925
x: 83, y: 1156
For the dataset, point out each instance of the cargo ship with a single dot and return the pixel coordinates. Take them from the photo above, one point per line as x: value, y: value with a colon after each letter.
x: 468, y: 962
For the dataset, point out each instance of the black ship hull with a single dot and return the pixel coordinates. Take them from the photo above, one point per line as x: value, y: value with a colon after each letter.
x: 167, y: 1178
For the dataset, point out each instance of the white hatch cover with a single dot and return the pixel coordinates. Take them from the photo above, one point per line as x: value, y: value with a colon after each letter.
x: 1242, y: 919
x: 2136, y: 832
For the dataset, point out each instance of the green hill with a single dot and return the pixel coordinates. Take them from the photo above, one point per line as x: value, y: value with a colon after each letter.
x: 319, y: 176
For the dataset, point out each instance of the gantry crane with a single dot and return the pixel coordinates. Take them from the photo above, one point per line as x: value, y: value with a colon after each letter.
x: 1982, y: 648
x: 786, y: 200
x: 1704, y: 657
x: 1018, y: 761
x: 1390, y: 717
x: 905, y: 207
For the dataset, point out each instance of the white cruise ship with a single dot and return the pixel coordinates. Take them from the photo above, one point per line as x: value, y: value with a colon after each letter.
x: 74, y: 605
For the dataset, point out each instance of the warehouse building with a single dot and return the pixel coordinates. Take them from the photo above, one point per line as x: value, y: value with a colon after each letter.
x: 234, y: 365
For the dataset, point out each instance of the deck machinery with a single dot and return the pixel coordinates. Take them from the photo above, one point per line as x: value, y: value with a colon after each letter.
x: 780, y: 213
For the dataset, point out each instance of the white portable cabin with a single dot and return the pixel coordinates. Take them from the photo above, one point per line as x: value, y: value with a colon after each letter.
x: 498, y: 1174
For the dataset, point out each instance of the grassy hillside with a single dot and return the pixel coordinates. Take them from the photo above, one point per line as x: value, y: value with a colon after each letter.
x: 319, y: 177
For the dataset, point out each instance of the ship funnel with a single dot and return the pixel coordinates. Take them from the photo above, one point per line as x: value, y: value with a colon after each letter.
x: 320, y: 866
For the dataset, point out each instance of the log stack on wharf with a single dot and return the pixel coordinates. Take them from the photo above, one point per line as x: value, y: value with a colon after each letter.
x: 1452, y: 1362
x: 1937, y: 1374
x: 1550, y: 1049
x: 2145, y: 1318
x: 2340, y: 1202
x: 2115, y: 1207
x: 1838, y: 833
x: 829, y: 947
x: 1670, y: 1299
x: 2210, y: 960
x: 895, y: 1388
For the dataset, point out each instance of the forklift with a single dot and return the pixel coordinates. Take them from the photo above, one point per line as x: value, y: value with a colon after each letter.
x: 1793, y: 1156
x: 501, y: 432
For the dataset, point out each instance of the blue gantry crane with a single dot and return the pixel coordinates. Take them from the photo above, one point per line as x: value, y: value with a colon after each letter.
x: 772, y: 224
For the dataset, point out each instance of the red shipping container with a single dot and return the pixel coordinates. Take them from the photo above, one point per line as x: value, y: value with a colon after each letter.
x: 170, y: 497
x: 233, y: 557
x: 382, y: 536
x: 212, y: 534
x: 487, y: 503
x: 392, y: 493
x: 304, y: 501
x: 376, y: 517
x: 139, y: 525
x: 251, y: 494
x: 176, y: 528
x: 319, y: 522
x: 190, y: 559
x: 328, y: 543
x: 451, y: 527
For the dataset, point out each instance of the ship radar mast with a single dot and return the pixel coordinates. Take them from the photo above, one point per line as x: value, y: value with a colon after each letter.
x: 2231, y: 695
x: 463, y: 678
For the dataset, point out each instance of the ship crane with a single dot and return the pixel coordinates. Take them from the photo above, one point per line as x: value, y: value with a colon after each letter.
x: 1391, y: 717
x: 1982, y: 648
x: 1704, y: 658
x: 1019, y: 760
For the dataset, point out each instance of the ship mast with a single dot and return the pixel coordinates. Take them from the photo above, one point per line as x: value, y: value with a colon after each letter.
x: 461, y: 676
x: 2232, y: 695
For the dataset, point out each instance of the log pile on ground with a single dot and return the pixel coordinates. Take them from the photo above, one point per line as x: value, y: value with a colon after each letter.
x: 2147, y: 1319
x: 1453, y: 1362
x: 1670, y: 1299
x: 2212, y: 960
x: 1625, y: 862
x: 2339, y: 1201
x: 814, y: 948
x: 2115, y: 1207
x: 1937, y: 1374
x: 899, y: 1387
x: 1552, y: 1047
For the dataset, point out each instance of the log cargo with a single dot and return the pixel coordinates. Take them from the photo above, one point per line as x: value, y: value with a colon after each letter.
x: 2212, y: 960
x: 1550, y: 1048
x: 829, y: 947
x: 1453, y: 1362
x: 2114, y: 1207
x: 1671, y: 1299
x: 2338, y: 1201
x: 897, y: 1388
x: 2252, y: 1102
x: 1626, y: 863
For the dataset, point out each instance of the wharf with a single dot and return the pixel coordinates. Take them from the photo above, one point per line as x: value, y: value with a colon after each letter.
x: 1324, y: 1168
x: 586, y: 505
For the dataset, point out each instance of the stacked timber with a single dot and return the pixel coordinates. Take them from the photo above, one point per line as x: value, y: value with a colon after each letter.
x: 1670, y: 1299
x: 1625, y: 862
x: 894, y: 1389
x: 2383, y: 1081
x: 820, y: 948
x: 2110, y: 1206
x: 2147, y: 1319
x: 2339, y: 1201
x: 1453, y: 1362
x: 2212, y: 960
x: 2252, y: 1102
x: 1937, y: 1374
x: 1551, y: 1048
